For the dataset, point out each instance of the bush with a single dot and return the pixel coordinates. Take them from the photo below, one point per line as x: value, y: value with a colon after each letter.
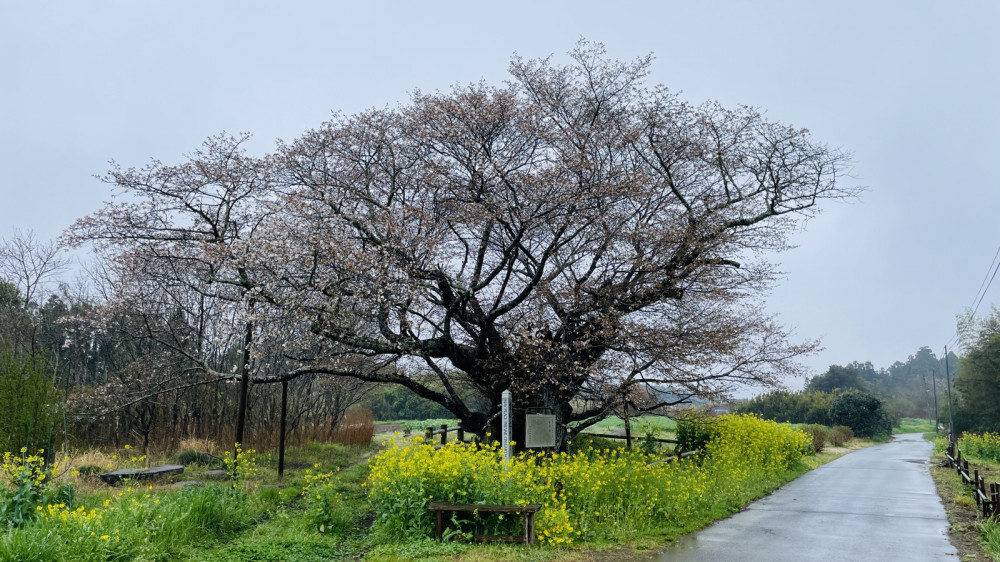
x: 90, y: 470
x: 197, y: 457
x: 588, y: 444
x: 840, y: 435
x: 819, y: 437
x: 694, y: 430
x: 863, y: 413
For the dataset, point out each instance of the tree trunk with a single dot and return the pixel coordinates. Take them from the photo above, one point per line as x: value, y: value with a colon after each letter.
x: 546, y: 400
x: 281, y: 435
x: 241, y: 412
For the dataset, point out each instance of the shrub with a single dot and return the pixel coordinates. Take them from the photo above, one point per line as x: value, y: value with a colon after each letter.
x: 592, y: 444
x: 819, y: 437
x: 863, y: 413
x: 90, y: 470
x: 694, y: 430
x: 196, y: 457
x: 840, y: 435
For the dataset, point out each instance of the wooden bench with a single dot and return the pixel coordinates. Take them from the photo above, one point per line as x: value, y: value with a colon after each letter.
x: 526, y: 511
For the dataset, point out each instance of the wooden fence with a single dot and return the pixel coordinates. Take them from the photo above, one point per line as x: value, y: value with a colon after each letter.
x: 987, y: 498
x: 444, y: 430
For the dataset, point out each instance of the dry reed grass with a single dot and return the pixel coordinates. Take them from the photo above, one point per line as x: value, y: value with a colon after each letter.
x: 199, y: 444
x: 357, y: 428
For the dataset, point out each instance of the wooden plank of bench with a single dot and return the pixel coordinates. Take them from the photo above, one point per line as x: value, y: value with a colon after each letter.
x: 487, y: 507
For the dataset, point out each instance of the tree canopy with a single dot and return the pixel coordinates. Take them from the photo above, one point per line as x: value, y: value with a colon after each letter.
x: 569, y: 236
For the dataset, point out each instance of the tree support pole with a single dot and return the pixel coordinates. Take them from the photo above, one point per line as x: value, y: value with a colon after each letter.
x: 281, y: 436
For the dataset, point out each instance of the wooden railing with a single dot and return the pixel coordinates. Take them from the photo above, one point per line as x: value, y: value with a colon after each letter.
x: 631, y: 438
x: 987, y: 498
x: 430, y: 432
x: 444, y: 430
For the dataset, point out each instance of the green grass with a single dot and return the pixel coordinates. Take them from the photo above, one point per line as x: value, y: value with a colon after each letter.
x: 913, y: 425
x: 989, y: 532
x: 419, y: 425
x: 659, y: 423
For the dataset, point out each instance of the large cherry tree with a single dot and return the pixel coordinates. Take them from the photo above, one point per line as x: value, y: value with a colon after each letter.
x: 571, y: 236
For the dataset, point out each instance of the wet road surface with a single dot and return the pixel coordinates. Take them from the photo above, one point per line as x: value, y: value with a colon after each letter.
x: 877, y: 503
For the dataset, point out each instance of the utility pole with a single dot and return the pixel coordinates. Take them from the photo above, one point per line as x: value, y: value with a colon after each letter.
x: 934, y: 384
x: 951, y: 419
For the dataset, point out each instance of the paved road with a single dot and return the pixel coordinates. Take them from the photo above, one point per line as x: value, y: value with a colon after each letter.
x: 877, y: 503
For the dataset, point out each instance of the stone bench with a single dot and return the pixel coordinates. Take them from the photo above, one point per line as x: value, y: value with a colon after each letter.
x: 527, y: 511
x: 116, y: 476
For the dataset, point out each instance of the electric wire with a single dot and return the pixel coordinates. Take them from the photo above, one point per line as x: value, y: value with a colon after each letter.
x: 987, y: 276
x: 984, y: 288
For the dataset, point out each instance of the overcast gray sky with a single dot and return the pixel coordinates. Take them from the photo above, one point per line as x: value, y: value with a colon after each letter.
x: 911, y: 88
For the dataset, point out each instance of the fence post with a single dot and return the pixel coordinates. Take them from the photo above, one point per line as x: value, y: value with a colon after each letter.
x: 461, y: 433
x: 429, y: 434
x: 444, y: 433
x: 977, y: 485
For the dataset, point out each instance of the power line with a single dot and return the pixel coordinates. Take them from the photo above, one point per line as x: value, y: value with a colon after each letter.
x: 984, y: 287
x: 987, y: 287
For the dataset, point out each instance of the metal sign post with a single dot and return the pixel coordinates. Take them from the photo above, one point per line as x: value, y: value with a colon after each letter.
x: 505, y: 420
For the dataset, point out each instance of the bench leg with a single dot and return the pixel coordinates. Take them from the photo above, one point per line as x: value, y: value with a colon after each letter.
x: 529, y: 528
x: 439, y: 526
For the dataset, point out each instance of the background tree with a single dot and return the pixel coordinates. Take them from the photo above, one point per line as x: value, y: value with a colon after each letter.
x: 792, y: 407
x: 180, y: 275
x: 978, y: 386
x: 30, y: 263
x: 31, y: 410
x: 837, y: 378
x: 864, y: 413
x: 977, y: 382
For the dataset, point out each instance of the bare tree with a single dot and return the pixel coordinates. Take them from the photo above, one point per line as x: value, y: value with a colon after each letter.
x: 179, y: 261
x: 30, y: 263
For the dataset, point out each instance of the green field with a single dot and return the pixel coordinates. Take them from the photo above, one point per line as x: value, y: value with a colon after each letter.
x: 914, y: 425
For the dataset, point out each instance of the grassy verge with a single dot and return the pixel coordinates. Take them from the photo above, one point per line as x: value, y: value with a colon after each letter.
x: 976, y: 539
x: 314, y: 513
